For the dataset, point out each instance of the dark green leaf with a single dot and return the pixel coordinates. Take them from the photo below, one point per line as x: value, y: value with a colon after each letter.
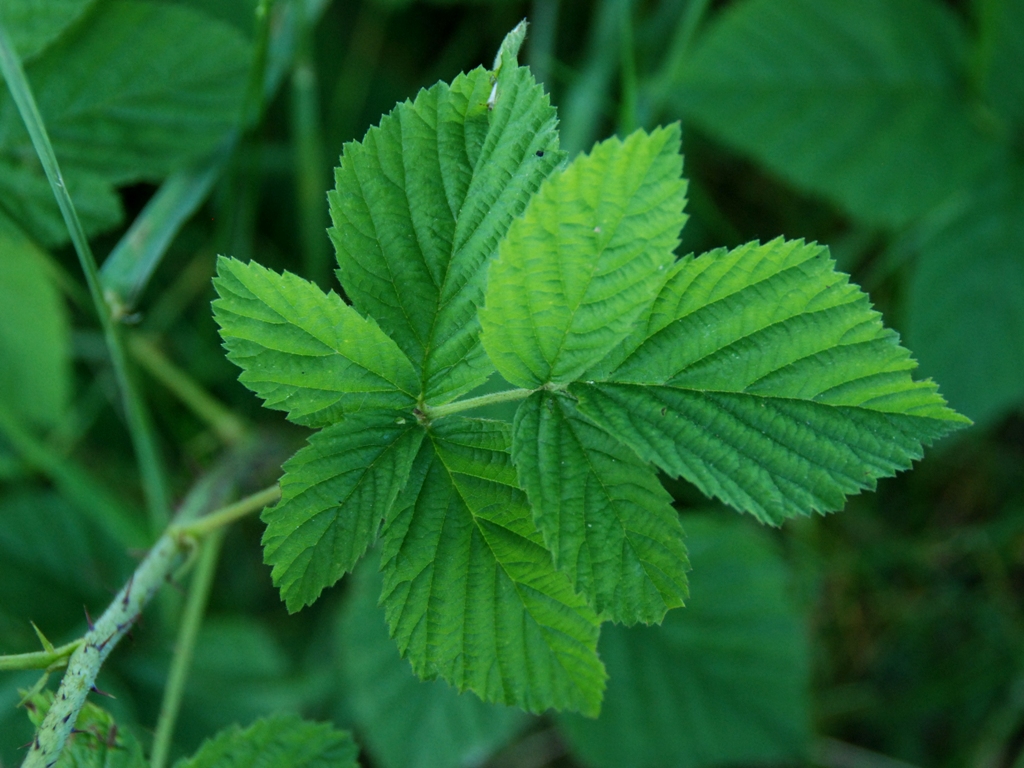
x: 407, y: 723
x: 335, y: 493
x: 860, y: 101
x: 35, y: 345
x: 421, y: 204
x: 603, y: 513
x: 966, y: 303
x: 723, y: 681
x: 280, y: 741
x: 765, y: 378
x: 470, y: 591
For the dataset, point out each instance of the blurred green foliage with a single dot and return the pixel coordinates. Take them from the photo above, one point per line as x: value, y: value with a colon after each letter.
x: 891, y: 130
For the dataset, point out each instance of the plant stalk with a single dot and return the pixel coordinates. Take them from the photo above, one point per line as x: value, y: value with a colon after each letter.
x: 119, y: 617
x: 143, y: 440
x: 184, y: 648
x: 440, y: 411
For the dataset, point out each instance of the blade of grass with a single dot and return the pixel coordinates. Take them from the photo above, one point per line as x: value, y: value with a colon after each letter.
x: 184, y: 646
x: 131, y: 264
x: 229, y: 427
x: 143, y: 439
x: 311, y: 179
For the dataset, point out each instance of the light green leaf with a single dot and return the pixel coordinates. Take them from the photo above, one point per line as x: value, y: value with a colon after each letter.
x: 966, y: 301
x: 404, y: 722
x: 99, y: 742
x: 861, y: 101
x: 470, y: 592
x: 304, y: 351
x: 603, y: 513
x: 723, y: 682
x: 335, y: 493
x: 584, y: 261
x: 279, y: 741
x: 34, y: 24
x: 134, y: 92
x: 767, y: 380
x: 35, y: 345
x: 421, y: 204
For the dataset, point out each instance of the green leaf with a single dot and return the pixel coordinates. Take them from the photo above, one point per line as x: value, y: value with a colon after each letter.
x: 335, y: 493
x: 48, y: 547
x: 723, y: 682
x: 966, y: 301
x: 134, y: 92
x: 581, y: 265
x: 1001, y: 58
x: 766, y: 379
x: 98, y: 743
x: 35, y: 344
x: 603, y: 513
x: 279, y: 741
x: 34, y: 24
x: 860, y: 101
x: 421, y: 204
x: 304, y: 351
x: 470, y: 592
x: 406, y: 723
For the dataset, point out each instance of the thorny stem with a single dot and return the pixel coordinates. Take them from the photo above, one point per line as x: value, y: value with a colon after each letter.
x: 139, y: 426
x: 439, y: 411
x: 92, y: 649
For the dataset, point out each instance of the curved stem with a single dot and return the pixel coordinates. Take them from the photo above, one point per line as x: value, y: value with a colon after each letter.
x: 509, y: 395
x: 192, y: 620
x: 153, y: 481
x: 227, y: 515
x: 92, y: 650
x: 39, y: 659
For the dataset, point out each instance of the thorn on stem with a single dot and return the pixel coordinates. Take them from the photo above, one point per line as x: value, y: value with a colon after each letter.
x: 96, y: 690
x: 88, y: 618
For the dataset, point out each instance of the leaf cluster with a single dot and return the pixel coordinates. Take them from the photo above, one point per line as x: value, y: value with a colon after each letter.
x: 467, y: 247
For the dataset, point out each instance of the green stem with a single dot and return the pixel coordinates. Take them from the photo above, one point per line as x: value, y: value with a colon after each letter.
x: 440, y: 411
x: 93, y: 649
x: 226, y: 515
x: 310, y: 154
x: 195, y: 607
x: 229, y: 428
x: 39, y: 659
x: 138, y: 422
x: 627, y: 55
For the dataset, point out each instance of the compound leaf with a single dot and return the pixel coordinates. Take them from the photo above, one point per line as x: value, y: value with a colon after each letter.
x: 603, y: 513
x: 581, y: 265
x: 421, y: 204
x: 305, y: 351
x: 724, y: 682
x: 334, y: 494
x: 860, y: 101
x: 767, y: 380
x: 279, y: 741
x: 470, y: 592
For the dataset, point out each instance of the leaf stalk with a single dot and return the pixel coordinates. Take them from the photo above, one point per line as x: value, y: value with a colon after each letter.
x: 433, y: 412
